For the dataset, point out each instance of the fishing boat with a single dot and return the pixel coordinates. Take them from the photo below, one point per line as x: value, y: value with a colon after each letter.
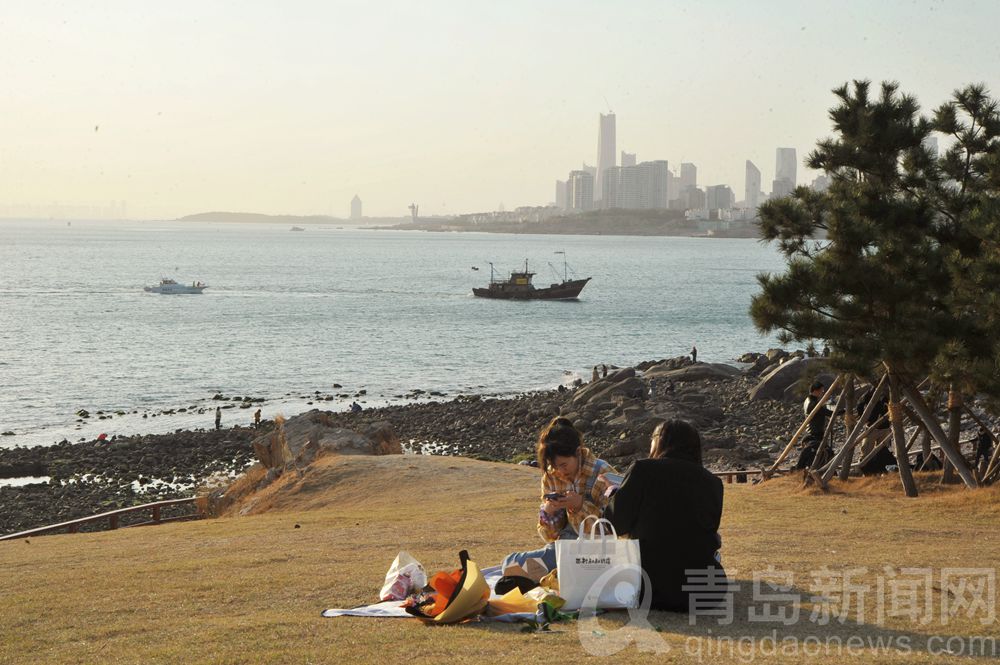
x: 168, y: 286
x: 519, y: 286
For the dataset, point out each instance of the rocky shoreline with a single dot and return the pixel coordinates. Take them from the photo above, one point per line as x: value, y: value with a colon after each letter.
x: 741, y: 429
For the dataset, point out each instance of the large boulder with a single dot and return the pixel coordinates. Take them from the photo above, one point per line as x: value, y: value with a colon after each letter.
x: 300, y: 438
x: 775, y: 383
x: 589, y: 391
x: 693, y: 372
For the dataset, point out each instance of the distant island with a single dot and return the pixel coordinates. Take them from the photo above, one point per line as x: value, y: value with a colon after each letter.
x: 294, y: 220
x: 596, y: 222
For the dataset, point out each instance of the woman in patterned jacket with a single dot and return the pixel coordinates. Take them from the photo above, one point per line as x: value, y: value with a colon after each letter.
x: 572, y: 490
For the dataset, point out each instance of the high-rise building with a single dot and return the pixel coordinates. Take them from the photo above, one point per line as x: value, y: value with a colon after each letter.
x: 580, y: 190
x: 592, y: 170
x: 785, y: 172
x: 657, y: 172
x: 781, y: 188
x: 640, y: 187
x: 719, y: 197
x: 751, y: 193
x: 355, y: 207
x: 689, y: 175
x: 611, y: 196
x: 821, y: 183
x: 561, y: 194
x: 628, y: 158
x: 606, y: 151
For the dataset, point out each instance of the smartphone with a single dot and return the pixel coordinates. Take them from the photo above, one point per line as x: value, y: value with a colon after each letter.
x: 554, y: 496
x: 614, y: 478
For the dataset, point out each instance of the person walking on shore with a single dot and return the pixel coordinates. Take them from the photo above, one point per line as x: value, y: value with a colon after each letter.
x: 694, y: 353
x: 218, y: 417
x: 256, y: 419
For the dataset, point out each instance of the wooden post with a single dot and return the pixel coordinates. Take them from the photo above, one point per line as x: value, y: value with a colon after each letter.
x: 828, y: 433
x: 954, y: 431
x: 932, y: 425
x: 896, y: 425
x: 766, y: 473
x: 113, y: 522
x: 156, y: 513
x: 850, y: 406
x: 852, y: 439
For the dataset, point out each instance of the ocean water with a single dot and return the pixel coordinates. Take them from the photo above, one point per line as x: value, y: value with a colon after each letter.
x: 290, y: 313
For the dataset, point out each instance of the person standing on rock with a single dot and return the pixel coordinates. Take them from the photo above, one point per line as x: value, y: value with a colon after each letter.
x: 218, y: 417
x: 595, y: 375
x: 604, y: 370
x: 694, y: 353
x: 572, y: 490
x: 256, y: 419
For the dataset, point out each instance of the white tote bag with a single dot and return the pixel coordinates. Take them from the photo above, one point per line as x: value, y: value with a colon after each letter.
x: 599, y: 567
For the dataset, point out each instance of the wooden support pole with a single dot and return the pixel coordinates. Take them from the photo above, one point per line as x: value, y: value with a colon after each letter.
x: 934, y: 427
x: 767, y: 473
x: 852, y: 439
x: 827, y: 440
x: 896, y: 425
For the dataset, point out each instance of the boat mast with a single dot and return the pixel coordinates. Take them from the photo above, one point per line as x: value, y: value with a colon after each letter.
x: 491, y: 272
x: 565, y: 273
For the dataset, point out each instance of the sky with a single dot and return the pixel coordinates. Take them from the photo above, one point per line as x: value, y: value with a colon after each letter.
x: 294, y: 107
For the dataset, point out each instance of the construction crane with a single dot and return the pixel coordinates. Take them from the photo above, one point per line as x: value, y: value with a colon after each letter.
x: 611, y: 111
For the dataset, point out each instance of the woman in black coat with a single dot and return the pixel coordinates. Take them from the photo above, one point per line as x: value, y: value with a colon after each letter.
x: 673, y: 506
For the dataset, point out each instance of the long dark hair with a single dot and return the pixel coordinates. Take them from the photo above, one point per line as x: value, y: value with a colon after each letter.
x: 559, y: 438
x: 676, y: 439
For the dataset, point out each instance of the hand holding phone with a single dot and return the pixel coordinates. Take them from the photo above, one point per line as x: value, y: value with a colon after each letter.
x: 554, y: 496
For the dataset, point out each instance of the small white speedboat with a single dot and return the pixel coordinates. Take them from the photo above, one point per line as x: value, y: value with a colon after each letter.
x: 168, y: 286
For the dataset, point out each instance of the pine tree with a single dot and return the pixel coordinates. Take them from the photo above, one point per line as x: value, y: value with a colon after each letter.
x: 878, y: 287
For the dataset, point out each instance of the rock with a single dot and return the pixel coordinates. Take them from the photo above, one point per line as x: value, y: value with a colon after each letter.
x: 774, y: 384
x: 594, y: 387
x: 694, y: 372
x: 629, y: 387
x: 776, y: 354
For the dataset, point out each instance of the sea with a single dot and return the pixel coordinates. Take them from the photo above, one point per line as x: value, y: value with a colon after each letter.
x: 289, y: 314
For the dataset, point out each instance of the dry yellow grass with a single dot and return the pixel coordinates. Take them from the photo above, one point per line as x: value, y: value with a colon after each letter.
x: 251, y: 589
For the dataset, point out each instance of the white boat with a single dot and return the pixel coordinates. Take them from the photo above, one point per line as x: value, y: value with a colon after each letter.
x: 168, y: 286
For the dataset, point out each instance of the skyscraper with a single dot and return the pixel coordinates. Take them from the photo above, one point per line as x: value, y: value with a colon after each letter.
x: 689, y: 175
x: 628, y: 158
x: 751, y: 194
x: 561, y: 194
x: 356, y: 207
x: 606, y: 151
x: 718, y: 197
x: 580, y: 191
x: 610, y: 196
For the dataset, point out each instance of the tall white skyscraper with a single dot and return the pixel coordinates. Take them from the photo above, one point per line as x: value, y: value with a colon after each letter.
x: 786, y: 165
x: 580, y: 191
x: 561, y: 194
x: 606, y: 151
x: 610, y: 196
x: 356, y: 207
x: 931, y: 145
x: 628, y: 158
x: 751, y: 194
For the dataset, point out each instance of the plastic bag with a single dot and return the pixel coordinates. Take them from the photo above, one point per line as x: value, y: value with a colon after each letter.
x: 405, y: 576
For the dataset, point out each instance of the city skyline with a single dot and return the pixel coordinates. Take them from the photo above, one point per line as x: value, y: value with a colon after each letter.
x: 252, y: 107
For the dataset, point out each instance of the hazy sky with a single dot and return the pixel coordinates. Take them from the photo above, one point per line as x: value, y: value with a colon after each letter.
x: 294, y: 107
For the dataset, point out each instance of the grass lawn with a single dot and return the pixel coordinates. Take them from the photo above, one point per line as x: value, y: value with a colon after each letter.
x: 250, y: 589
